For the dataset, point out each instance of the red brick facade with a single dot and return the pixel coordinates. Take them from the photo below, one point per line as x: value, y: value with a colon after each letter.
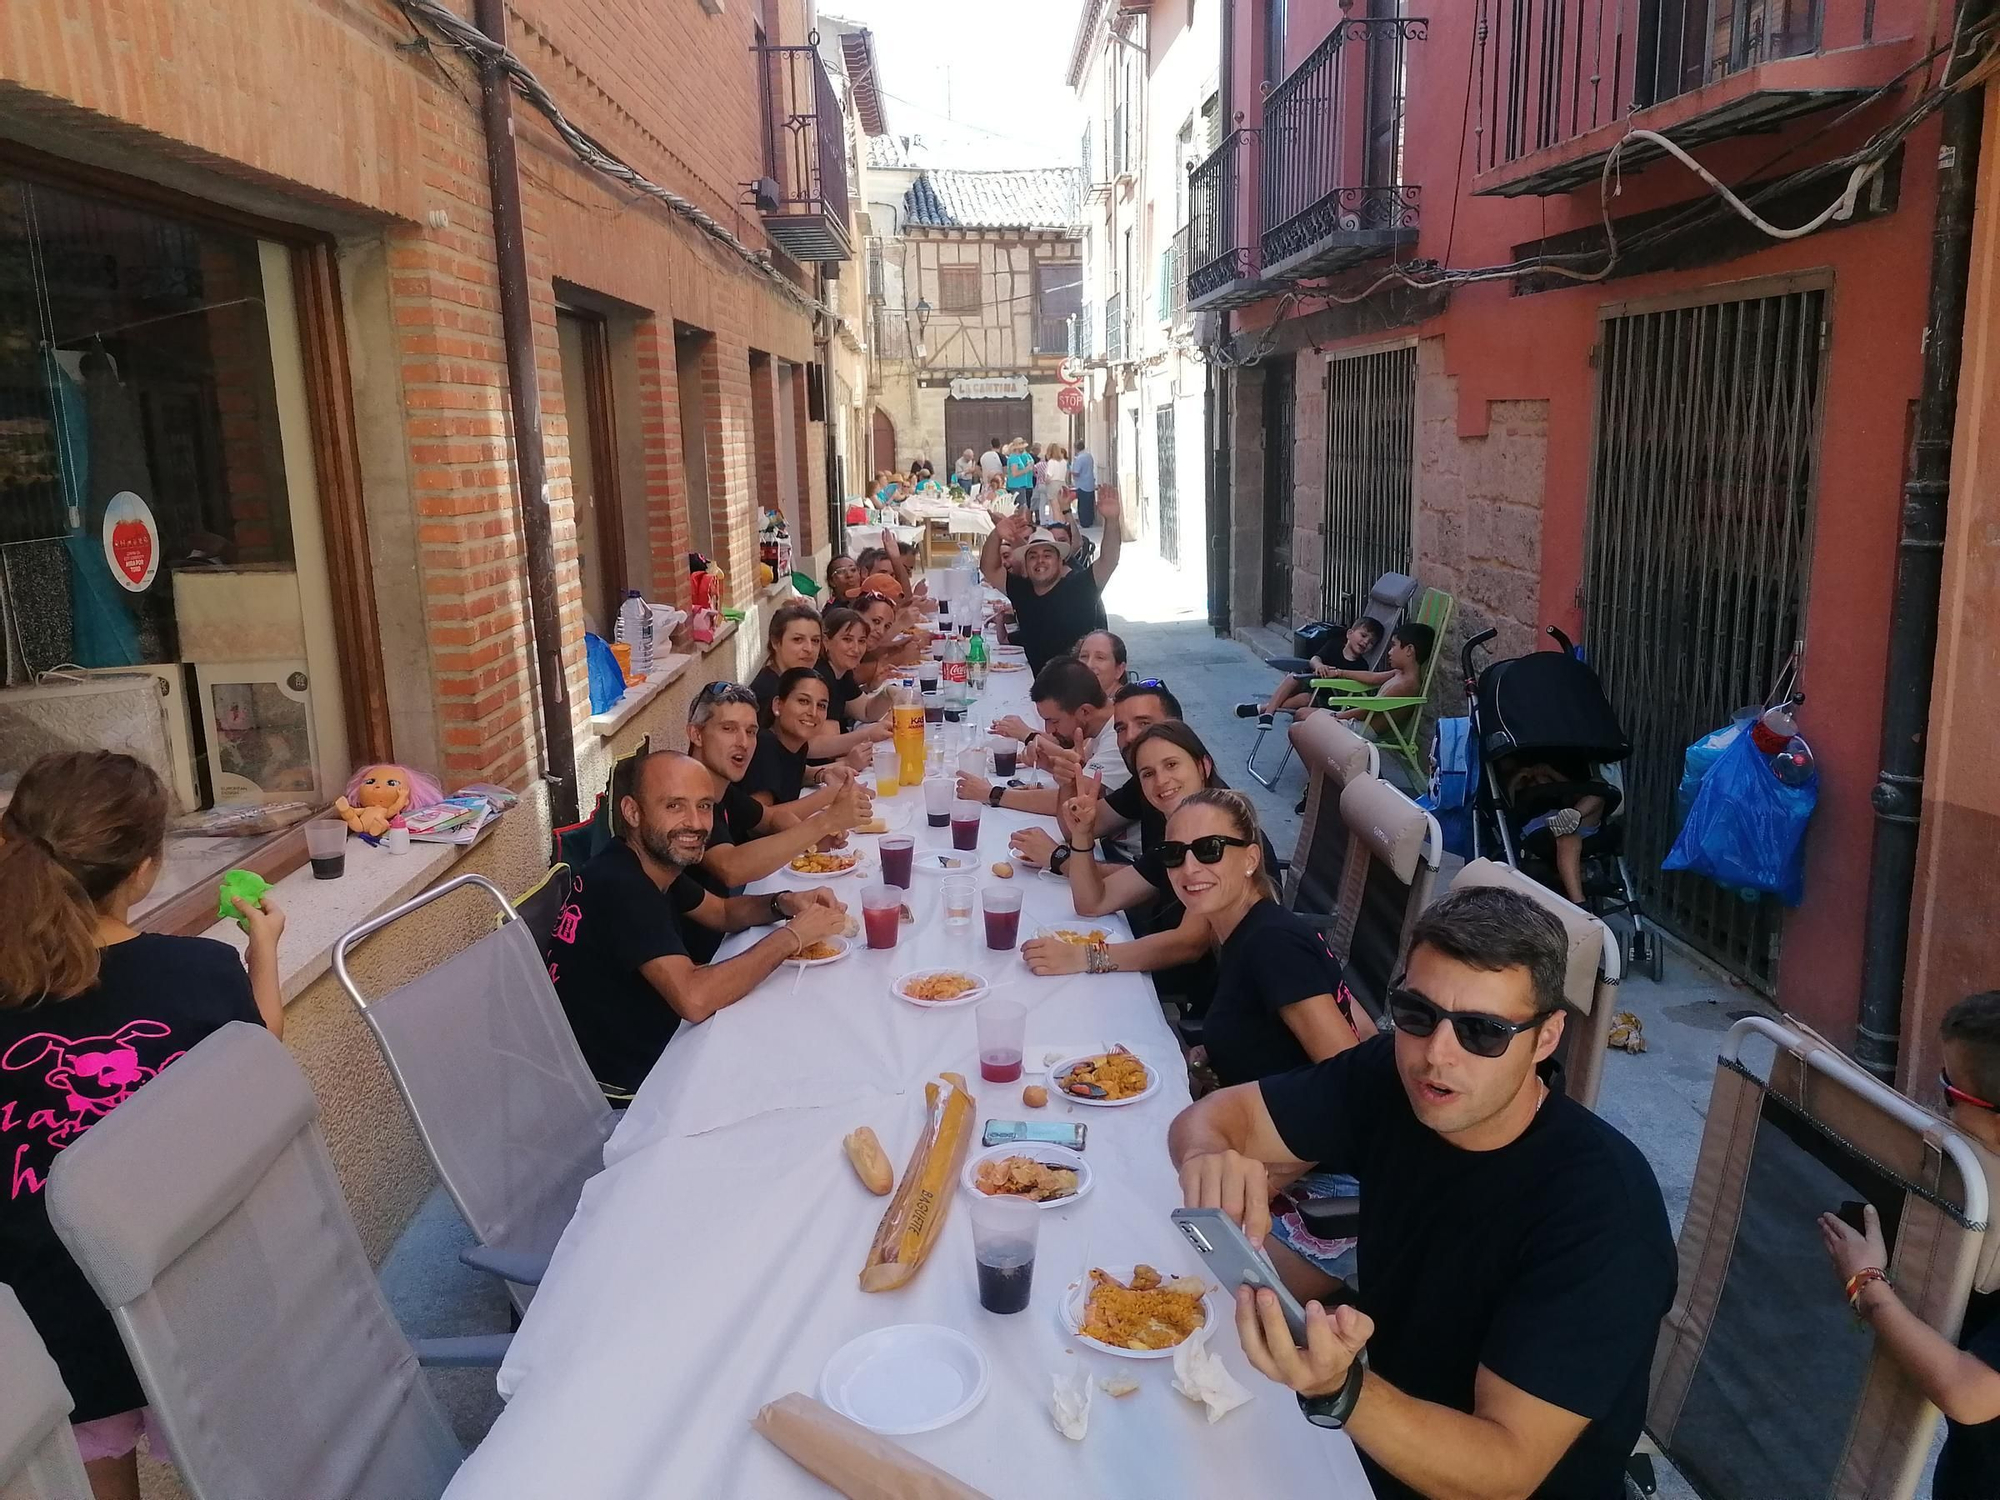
x: 309, y: 111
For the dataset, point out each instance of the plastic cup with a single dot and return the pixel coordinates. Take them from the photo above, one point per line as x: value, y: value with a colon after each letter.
x: 1003, y: 1033
x: 882, y: 914
x: 1002, y: 907
x: 1003, y: 1248
x: 1005, y: 751
x: 326, y: 847
x: 972, y: 761
x: 888, y: 768
x: 899, y: 851
x: 933, y: 709
x: 939, y: 794
x: 961, y: 894
x: 965, y: 823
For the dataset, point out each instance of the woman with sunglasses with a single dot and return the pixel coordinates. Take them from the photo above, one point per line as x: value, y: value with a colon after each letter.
x: 843, y: 580
x: 1962, y: 1380
x: 889, y: 643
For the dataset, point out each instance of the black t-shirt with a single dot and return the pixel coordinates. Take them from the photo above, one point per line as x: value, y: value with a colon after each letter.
x: 775, y: 769
x: 1547, y: 1261
x: 841, y: 690
x: 1273, y: 959
x: 64, y: 1065
x: 738, y: 815
x: 1969, y: 1467
x: 1047, y: 625
x: 624, y: 921
x: 765, y: 686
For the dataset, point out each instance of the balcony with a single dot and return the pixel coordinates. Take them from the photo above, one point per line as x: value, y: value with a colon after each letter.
x: 1332, y: 152
x: 802, y: 195
x: 1564, y: 80
x: 1085, y: 325
x: 1222, y: 251
x: 1173, y: 280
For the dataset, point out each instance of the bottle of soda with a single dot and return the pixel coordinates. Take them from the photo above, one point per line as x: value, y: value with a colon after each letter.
x: 975, y: 662
x: 954, y: 668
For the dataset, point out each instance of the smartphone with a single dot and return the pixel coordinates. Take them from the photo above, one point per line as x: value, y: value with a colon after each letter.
x: 1231, y: 1259
x: 1065, y: 1133
x: 1850, y: 1214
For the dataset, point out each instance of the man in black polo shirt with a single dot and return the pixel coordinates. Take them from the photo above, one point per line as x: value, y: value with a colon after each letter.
x: 1515, y: 1260
x: 1055, y: 606
x: 620, y: 954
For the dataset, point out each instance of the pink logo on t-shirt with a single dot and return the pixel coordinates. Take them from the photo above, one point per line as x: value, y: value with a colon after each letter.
x: 93, y: 1075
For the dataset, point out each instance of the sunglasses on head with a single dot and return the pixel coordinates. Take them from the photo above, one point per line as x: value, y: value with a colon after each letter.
x: 1208, y: 849
x: 1958, y: 1095
x: 1151, y: 682
x: 864, y: 600
x: 1481, y: 1035
x: 724, y: 691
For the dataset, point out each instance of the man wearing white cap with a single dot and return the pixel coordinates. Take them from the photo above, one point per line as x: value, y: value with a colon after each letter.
x: 1055, y: 606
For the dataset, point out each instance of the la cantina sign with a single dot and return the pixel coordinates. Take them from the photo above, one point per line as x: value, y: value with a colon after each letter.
x: 131, y: 541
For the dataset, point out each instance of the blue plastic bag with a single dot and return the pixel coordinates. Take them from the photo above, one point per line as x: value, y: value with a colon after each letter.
x: 1746, y: 829
x: 1450, y: 797
x: 1704, y: 753
x: 607, y: 683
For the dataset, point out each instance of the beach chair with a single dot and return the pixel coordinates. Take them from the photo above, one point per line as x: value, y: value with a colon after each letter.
x: 1333, y: 755
x: 1590, y: 982
x: 485, y: 1059
x: 205, y: 1213
x: 38, y: 1455
x: 1401, y: 719
x: 1763, y: 1382
x: 541, y: 906
x: 1387, y: 602
x: 1394, y: 850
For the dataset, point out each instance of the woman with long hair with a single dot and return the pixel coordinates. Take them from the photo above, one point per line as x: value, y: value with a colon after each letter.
x: 791, y: 639
x: 843, y: 580
x: 854, y: 715
x: 1052, y: 491
x: 1103, y: 651
x: 780, y: 768
x: 90, y: 1008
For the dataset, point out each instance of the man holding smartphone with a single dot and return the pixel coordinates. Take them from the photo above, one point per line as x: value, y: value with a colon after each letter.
x: 1514, y: 1260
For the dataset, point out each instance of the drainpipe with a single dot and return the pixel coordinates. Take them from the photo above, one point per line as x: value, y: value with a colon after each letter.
x: 1221, y: 404
x: 1913, y: 618
x: 836, y: 508
x: 496, y: 109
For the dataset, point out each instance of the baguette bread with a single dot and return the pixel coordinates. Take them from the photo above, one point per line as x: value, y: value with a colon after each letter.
x: 869, y: 1160
x: 915, y: 1216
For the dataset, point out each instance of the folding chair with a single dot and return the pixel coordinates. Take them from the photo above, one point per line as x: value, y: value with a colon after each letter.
x: 1333, y: 755
x: 1403, y: 717
x: 38, y: 1455
x: 205, y: 1212
x: 541, y: 906
x: 1763, y: 1383
x: 1387, y: 602
x: 485, y: 1059
x: 1394, y: 848
x: 1590, y: 982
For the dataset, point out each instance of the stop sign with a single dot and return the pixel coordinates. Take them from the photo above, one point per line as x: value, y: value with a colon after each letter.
x: 1069, y: 400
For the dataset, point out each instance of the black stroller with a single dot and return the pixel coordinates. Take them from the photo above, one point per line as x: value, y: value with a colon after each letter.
x: 1546, y: 713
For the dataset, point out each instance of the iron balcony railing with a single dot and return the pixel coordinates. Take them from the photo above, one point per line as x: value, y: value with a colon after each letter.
x: 803, y: 200
x: 1551, y: 70
x: 1114, y: 326
x: 1052, y: 333
x: 1082, y: 327
x: 1221, y: 237
x: 1332, y: 174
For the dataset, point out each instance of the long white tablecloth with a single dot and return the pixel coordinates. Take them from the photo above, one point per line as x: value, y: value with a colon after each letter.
x: 713, y: 1265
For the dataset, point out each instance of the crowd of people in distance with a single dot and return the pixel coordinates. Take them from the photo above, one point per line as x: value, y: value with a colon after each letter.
x: 1043, y: 480
x: 1491, y: 1330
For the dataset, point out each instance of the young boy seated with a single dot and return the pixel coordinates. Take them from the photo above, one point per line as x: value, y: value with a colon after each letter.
x: 1962, y: 1380
x: 1409, y: 648
x: 1296, y: 694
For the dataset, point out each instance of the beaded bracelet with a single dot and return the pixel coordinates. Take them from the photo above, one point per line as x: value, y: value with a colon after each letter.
x: 1862, y: 1278
x: 1097, y: 960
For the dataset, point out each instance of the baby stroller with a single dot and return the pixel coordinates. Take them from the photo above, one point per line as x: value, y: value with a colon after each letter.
x: 1548, y: 710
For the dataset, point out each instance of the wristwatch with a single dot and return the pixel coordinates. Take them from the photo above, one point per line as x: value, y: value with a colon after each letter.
x: 1332, y: 1412
x: 778, y: 912
x: 1060, y: 858
x: 994, y: 795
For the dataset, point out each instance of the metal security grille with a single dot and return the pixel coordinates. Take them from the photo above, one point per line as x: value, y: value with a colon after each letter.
x: 1278, y: 430
x: 1701, y: 518
x: 1371, y: 411
x: 1170, y: 498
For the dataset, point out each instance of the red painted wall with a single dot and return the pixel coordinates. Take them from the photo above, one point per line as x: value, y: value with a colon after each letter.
x: 1500, y: 346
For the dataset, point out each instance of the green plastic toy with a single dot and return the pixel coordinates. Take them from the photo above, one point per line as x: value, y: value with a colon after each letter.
x: 245, y: 885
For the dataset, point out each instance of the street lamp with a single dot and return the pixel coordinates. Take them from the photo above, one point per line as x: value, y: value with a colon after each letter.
x: 923, y: 315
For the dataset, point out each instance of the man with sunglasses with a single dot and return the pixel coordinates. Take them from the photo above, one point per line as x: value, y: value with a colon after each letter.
x: 1514, y: 1259
x: 1962, y: 1380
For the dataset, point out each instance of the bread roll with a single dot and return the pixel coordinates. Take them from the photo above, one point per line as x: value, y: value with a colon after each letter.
x: 915, y: 1216
x: 869, y: 1160
x: 1034, y: 1096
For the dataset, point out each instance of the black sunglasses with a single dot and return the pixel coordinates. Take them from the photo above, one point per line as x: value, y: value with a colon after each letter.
x: 1481, y: 1035
x: 1208, y: 849
x: 1151, y: 682
x: 1958, y: 1095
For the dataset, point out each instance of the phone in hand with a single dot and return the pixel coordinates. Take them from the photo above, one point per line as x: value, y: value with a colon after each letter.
x: 1234, y: 1261
x: 1849, y: 1213
x: 1068, y: 1134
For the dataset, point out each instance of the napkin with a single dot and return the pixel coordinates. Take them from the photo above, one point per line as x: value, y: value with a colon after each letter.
x: 1070, y: 1405
x: 860, y: 1464
x: 1200, y: 1376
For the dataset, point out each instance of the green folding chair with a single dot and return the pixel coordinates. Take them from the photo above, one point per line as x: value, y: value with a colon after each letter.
x: 1402, y: 718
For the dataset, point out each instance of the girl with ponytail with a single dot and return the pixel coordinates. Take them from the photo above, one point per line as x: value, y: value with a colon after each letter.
x: 90, y: 1008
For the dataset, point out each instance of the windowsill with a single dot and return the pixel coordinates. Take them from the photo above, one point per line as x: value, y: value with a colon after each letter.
x: 318, y: 912
x: 620, y: 713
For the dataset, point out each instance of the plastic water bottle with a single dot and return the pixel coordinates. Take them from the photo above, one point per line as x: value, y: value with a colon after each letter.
x: 635, y: 629
x: 1793, y: 765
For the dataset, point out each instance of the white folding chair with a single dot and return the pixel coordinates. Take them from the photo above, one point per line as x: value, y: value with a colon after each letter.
x: 38, y: 1457
x: 205, y: 1213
